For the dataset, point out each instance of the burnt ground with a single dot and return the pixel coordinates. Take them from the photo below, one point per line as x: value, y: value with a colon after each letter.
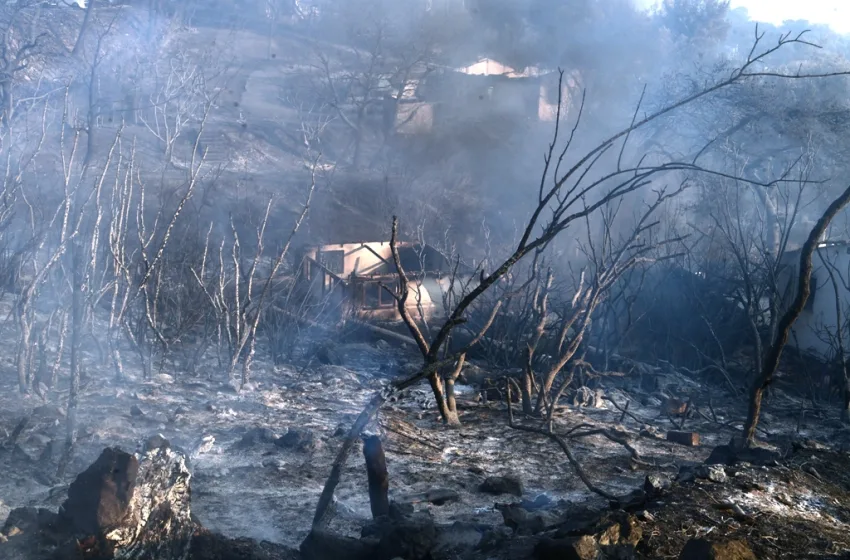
x: 799, y: 508
x: 247, y: 484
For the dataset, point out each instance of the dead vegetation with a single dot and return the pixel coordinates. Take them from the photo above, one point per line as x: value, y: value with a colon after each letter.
x: 147, y: 293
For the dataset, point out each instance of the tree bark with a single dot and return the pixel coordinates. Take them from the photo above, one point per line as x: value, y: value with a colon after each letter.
x: 526, y: 389
x: 439, y: 396
x: 379, y: 480
x: 771, y: 360
x: 451, y: 402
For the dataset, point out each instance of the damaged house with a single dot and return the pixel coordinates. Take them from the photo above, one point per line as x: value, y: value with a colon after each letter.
x: 481, y: 89
x: 355, y: 278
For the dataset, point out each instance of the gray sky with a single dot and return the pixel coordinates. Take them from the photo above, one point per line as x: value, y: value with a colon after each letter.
x: 835, y: 13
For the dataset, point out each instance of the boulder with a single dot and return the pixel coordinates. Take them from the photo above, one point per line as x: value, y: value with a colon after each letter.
x: 703, y: 549
x: 498, y: 485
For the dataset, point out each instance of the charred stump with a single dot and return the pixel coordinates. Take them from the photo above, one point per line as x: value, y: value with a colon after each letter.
x: 122, y: 506
x: 376, y: 470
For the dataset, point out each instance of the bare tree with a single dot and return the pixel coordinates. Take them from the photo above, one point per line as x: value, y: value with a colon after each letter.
x: 573, y: 195
x: 786, y: 322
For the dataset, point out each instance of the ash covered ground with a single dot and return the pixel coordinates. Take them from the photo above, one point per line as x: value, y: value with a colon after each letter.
x: 260, y: 456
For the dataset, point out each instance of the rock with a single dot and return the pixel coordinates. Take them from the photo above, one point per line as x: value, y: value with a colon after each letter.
x: 400, y: 509
x: 498, y: 485
x: 524, y: 522
x: 328, y: 354
x: 382, y: 345
x: 4, y: 513
x: 411, y: 537
x: 136, y: 412
x: 714, y: 473
x: 276, y: 464
x: 575, y: 548
x: 440, y: 496
x: 163, y: 378
x: 592, y: 535
x: 474, y: 375
x: 656, y: 485
x: 256, y: 436
x: 210, y: 546
x: 299, y: 439
x: 340, y: 431
x: 737, y: 451
x: 542, y: 501
x: 584, y: 397
x: 599, y: 399
x: 457, y: 539
x: 324, y: 545
x: 203, y: 445
x: 29, y: 534
x: 156, y: 442
x: 703, y: 549
x: 686, y: 474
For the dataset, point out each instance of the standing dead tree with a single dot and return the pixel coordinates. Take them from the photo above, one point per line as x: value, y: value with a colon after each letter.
x: 803, y: 290
x: 247, y: 321
x: 576, y: 191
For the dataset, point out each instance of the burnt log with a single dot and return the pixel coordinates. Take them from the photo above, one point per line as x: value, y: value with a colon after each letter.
x: 376, y: 471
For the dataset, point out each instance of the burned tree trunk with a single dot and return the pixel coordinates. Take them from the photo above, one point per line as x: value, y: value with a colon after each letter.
x: 452, y: 418
x: 376, y: 471
x: 804, y: 281
x: 845, y: 409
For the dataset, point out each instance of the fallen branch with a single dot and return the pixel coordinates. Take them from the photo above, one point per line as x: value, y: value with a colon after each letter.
x: 635, y: 456
x: 561, y: 443
x: 626, y: 412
